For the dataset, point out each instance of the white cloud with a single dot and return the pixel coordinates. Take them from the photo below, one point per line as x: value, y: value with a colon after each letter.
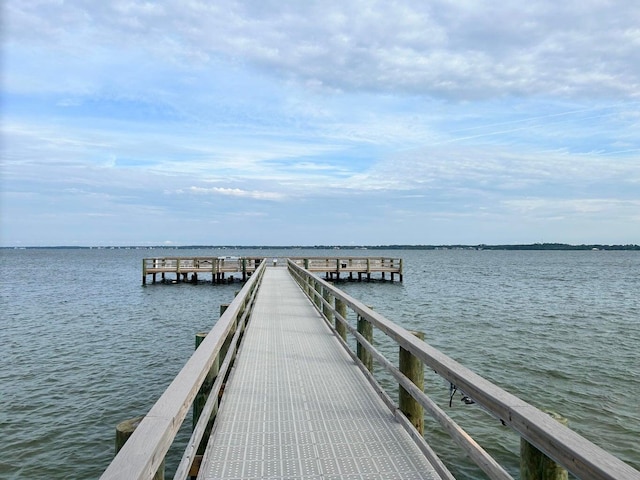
x: 595, y: 209
x: 236, y: 192
x: 457, y: 50
x: 383, y: 111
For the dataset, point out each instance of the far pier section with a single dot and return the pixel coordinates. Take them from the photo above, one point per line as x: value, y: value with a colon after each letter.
x: 225, y: 269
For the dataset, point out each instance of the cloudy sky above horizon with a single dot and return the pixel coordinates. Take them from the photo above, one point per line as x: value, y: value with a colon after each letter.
x: 186, y: 122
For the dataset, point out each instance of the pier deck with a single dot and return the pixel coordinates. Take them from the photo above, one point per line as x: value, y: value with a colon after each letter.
x: 291, y: 360
x: 183, y: 269
x: 297, y: 406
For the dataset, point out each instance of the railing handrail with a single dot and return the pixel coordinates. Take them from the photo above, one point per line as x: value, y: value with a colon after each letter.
x: 211, y: 257
x: 574, y: 452
x: 145, y: 450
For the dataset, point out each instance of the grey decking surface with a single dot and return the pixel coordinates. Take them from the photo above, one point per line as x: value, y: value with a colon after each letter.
x: 298, y: 407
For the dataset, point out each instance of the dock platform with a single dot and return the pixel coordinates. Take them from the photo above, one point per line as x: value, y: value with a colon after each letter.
x: 226, y: 269
x: 297, y: 406
x: 282, y: 387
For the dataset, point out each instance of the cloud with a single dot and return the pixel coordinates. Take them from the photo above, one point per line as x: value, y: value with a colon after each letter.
x: 404, y: 112
x: 236, y: 192
x: 461, y: 50
x: 594, y: 209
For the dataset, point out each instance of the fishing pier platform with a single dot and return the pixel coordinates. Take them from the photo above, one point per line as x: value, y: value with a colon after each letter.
x: 282, y: 387
x: 223, y: 269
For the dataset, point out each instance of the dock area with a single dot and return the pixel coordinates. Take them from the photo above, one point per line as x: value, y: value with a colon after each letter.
x: 283, y: 388
x: 228, y: 269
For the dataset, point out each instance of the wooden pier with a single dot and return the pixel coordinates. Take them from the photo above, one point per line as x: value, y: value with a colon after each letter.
x: 225, y: 269
x: 188, y: 269
x: 299, y: 403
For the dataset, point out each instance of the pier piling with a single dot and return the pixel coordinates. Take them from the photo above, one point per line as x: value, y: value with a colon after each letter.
x: 366, y: 330
x: 413, y: 369
x: 535, y: 465
x: 341, y: 309
x: 124, y: 430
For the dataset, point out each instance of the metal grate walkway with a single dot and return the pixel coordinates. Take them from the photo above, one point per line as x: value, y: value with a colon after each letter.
x: 298, y: 407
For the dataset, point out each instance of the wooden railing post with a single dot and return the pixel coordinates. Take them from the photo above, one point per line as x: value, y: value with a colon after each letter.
x: 535, y: 465
x: 341, y: 309
x: 413, y: 369
x: 366, y: 330
x: 124, y: 430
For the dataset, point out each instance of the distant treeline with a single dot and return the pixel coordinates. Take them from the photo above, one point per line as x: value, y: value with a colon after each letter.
x: 530, y: 246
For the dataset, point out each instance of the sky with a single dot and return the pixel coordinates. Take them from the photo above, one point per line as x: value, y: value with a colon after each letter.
x: 335, y: 122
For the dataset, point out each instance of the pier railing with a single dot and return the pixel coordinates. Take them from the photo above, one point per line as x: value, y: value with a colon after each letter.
x: 535, y: 427
x: 144, y: 452
x: 184, y: 266
x: 185, y: 269
x: 351, y: 265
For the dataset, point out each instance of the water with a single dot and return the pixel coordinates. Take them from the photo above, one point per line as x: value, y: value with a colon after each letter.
x: 83, y: 345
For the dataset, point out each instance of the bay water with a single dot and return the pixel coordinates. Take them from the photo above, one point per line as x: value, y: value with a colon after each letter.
x: 83, y: 345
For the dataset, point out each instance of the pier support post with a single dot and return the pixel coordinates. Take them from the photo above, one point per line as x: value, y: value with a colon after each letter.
x: 318, y: 294
x: 413, y: 369
x: 326, y: 310
x: 341, y: 309
x: 535, y: 465
x: 203, y: 394
x: 366, y: 330
x: 124, y: 430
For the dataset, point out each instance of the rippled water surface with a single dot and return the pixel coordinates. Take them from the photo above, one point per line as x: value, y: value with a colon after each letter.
x: 84, y: 345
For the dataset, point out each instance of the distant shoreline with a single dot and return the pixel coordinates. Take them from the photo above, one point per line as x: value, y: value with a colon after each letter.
x: 530, y: 246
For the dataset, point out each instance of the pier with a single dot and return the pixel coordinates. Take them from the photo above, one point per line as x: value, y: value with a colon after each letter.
x: 282, y: 388
x: 225, y: 269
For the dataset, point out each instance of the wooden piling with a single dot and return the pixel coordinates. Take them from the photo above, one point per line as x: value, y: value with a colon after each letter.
x: 413, y: 369
x: 318, y: 294
x: 326, y: 310
x: 535, y: 465
x: 341, y: 309
x: 366, y: 330
x: 203, y: 394
x: 124, y: 430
